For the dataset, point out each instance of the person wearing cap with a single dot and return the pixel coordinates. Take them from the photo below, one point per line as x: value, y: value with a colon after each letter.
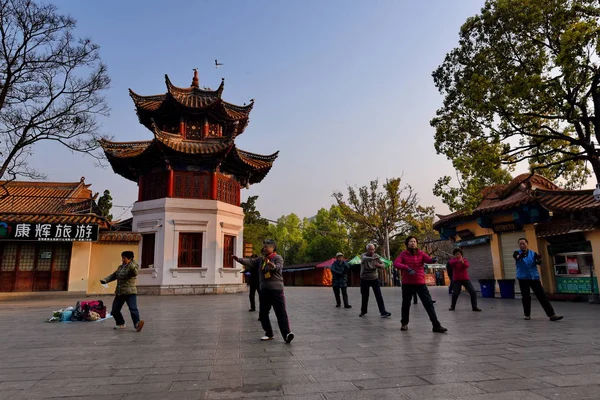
x: 339, y: 282
x: 370, y: 264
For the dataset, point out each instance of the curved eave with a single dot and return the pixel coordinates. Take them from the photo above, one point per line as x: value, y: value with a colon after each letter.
x: 124, y: 150
x: 147, y: 103
x: 191, y: 147
x: 249, y: 167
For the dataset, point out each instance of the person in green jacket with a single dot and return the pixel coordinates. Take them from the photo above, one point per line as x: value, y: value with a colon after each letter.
x: 126, y: 291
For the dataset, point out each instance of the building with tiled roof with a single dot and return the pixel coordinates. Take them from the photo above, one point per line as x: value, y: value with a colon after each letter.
x: 189, y: 176
x: 53, y: 237
x: 561, y: 225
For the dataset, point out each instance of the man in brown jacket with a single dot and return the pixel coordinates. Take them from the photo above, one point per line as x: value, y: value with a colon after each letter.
x: 270, y: 267
x: 126, y: 291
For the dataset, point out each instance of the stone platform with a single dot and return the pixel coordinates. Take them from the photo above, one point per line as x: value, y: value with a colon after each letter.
x: 207, y: 347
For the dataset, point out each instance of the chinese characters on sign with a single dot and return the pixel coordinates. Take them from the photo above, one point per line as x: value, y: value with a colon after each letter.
x: 52, y: 232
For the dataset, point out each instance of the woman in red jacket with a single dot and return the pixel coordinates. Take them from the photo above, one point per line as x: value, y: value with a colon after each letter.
x: 412, y: 264
x: 460, y: 278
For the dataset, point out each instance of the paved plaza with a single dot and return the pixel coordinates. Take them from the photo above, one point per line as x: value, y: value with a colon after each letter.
x: 207, y: 347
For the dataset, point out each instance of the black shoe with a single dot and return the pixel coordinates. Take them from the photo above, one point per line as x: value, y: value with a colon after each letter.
x: 404, y: 327
x: 433, y: 301
x: 362, y: 314
x: 386, y: 315
x: 348, y: 306
x: 556, y: 318
x: 415, y: 302
x: 451, y: 308
x: 337, y: 306
x: 251, y: 310
x: 289, y: 337
x: 476, y: 309
x: 439, y: 329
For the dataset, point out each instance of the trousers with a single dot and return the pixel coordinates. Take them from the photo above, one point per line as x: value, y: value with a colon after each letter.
x: 252, y: 295
x: 273, y: 298
x: 118, y: 302
x: 408, y: 291
x: 336, y: 292
x: 538, y: 290
x: 456, y: 289
x: 364, y: 291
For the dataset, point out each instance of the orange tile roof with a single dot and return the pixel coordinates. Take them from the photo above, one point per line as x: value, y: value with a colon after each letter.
x: 54, y: 218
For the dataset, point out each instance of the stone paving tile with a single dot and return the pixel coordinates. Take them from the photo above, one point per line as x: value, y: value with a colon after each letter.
x: 446, y: 390
x: 216, y: 352
x: 509, y: 385
x: 308, y: 388
x: 571, y: 393
x: 378, y: 394
x: 395, y: 382
x: 581, y: 379
x: 455, y: 377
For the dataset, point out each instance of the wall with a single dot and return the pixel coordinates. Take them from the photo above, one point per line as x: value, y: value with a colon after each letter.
x: 105, y: 259
x: 169, y: 217
x: 79, y: 266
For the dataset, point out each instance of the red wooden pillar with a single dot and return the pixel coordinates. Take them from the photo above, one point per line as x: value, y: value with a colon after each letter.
x: 213, y: 191
x: 205, y: 129
x: 171, y: 183
x: 182, y: 127
x: 140, y: 188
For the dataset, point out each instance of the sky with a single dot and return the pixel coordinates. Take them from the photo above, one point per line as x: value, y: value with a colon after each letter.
x: 342, y: 88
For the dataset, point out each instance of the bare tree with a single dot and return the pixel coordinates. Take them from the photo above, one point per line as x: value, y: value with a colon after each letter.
x: 380, y: 216
x: 50, y: 85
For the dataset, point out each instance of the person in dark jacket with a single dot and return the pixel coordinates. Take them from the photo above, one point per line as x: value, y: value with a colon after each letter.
x: 126, y: 291
x: 253, y: 283
x: 339, y: 281
x: 450, y: 273
x: 529, y: 279
x: 270, y: 267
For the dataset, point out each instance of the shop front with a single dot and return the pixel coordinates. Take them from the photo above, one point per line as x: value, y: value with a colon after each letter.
x: 36, y: 257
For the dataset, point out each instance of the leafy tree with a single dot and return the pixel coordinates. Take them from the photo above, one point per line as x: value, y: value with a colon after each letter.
x: 256, y: 228
x: 522, y: 86
x: 287, y: 232
x: 105, y: 205
x: 50, y: 85
x: 326, y: 234
x: 379, y: 215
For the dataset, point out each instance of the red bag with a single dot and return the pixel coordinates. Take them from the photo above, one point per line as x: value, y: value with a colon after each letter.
x: 85, y: 307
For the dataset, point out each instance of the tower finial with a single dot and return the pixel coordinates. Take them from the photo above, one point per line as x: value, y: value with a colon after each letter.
x: 195, y: 81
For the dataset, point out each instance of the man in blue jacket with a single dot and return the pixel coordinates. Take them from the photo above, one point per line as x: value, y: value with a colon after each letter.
x: 339, y: 281
x: 529, y: 278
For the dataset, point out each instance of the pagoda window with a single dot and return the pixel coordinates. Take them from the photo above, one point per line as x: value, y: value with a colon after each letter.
x: 155, y: 186
x: 148, y: 245
x: 192, y: 185
x: 193, y: 130
x: 214, y: 130
x: 190, y: 250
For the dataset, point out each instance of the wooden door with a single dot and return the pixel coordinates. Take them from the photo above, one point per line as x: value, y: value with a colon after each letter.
x: 43, y: 268
x: 228, y: 251
x: 60, y: 267
x: 26, y: 256
x: 8, y: 267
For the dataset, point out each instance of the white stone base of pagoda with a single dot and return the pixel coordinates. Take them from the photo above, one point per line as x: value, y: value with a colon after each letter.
x: 168, y: 218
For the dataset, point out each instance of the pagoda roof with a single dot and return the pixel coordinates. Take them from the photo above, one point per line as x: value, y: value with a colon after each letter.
x: 129, y: 159
x: 192, y: 100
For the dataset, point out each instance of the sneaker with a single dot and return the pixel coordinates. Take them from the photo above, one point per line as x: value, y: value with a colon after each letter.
x: 119, y: 327
x: 139, y: 326
x: 337, y: 305
x: 477, y: 309
x: 289, y: 337
x: 433, y: 301
x: 404, y: 328
x: 348, y: 306
x: 451, y: 308
x: 556, y: 318
x: 439, y: 329
x: 265, y: 338
x: 386, y: 315
x: 362, y: 314
x: 527, y: 318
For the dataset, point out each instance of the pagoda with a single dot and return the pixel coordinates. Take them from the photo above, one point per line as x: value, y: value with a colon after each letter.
x: 189, y: 178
